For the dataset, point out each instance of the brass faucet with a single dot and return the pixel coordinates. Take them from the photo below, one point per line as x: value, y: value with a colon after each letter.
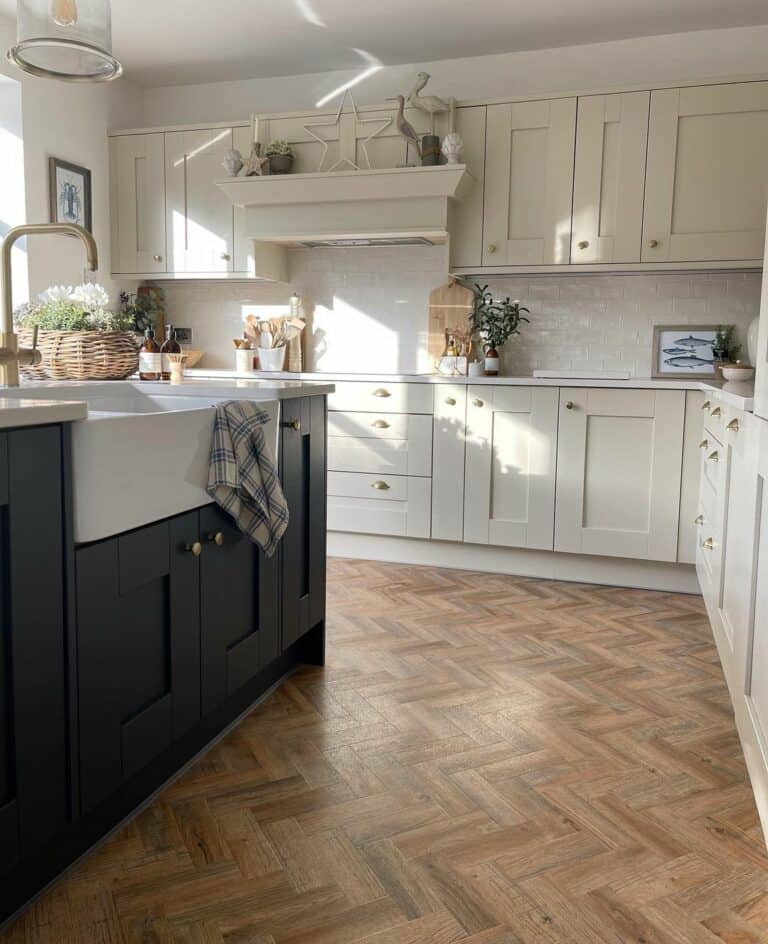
x: 11, y: 355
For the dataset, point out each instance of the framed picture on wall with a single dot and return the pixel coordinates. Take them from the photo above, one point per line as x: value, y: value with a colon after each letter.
x: 70, y: 193
x: 683, y: 351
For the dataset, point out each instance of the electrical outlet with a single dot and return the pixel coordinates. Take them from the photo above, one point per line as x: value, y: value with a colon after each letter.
x: 184, y: 335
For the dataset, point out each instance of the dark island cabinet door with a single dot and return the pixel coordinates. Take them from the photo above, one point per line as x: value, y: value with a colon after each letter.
x: 302, y: 473
x: 34, y: 782
x: 138, y: 613
x: 230, y: 597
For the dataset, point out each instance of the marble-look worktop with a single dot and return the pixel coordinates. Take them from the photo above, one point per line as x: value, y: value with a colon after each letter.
x: 23, y: 411
x: 740, y: 395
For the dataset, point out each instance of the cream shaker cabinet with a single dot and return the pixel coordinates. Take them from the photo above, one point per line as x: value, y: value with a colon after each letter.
x: 509, y: 482
x: 137, y: 203
x: 619, y: 471
x: 199, y: 216
x: 609, y: 178
x: 465, y: 216
x: 707, y: 174
x: 529, y: 182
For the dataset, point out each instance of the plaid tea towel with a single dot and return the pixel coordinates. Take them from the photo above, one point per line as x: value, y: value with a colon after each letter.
x: 242, y: 478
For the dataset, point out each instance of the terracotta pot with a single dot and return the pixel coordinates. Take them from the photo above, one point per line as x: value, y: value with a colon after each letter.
x: 280, y: 164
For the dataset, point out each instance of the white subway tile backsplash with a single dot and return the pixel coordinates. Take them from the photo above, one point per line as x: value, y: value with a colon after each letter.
x: 367, y: 311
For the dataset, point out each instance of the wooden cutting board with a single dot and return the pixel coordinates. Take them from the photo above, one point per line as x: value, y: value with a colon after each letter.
x: 449, y: 307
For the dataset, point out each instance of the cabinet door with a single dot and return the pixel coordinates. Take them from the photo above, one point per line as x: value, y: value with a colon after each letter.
x: 200, y: 218
x: 137, y: 204
x: 302, y: 473
x: 138, y: 650
x: 244, y: 259
x: 509, y: 496
x: 619, y: 463
x: 448, y: 444
x: 529, y: 182
x: 761, y: 357
x: 756, y: 682
x: 230, y: 597
x: 465, y: 220
x: 609, y: 178
x: 34, y: 774
x: 707, y: 174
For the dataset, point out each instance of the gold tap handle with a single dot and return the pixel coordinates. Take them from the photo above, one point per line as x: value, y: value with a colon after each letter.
x: 35, y: 329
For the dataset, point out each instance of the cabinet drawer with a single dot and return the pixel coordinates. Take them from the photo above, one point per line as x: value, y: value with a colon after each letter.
x: 712, y: 457
x: 362, y: 395
x: 369, y: 504
x: 374, y: 449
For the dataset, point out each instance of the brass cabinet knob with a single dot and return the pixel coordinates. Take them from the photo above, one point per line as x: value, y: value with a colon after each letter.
x: 706, y: 405
x: 704, y: 444
x: 195, y: 548
x: 733, y: 426
x: 217, y: 539
x: 653, y: 243
x: 381, y: 392
x: 699, y: 519
x: 717, y: 412
x: 708, y: 545
x: 477, y: 402
x: 584, y: 244
x: 714, y: 456
x: 380, y: 486
x: 380, y: 424
x: 570, y: 405
x: 491, y: 247
x: 158, y: 258
x: 225, y: 256
x: 450, y: 401
x: 291, y: 424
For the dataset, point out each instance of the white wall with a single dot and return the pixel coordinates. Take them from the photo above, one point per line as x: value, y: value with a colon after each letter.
x: 71, y: 122
x: 654, y: 59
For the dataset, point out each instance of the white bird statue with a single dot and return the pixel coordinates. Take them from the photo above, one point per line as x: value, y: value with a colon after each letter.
x: 404, y: 127
x: 431, y: 104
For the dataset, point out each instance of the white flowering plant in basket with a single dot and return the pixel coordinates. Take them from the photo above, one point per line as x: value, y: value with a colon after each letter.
x: 73, y: 308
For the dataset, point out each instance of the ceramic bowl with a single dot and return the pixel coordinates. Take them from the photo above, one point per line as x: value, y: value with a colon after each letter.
x: 738, y: 372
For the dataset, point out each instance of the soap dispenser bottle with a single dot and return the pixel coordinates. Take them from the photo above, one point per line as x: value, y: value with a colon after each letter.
x: 149, y: 357
x: 169, y: 346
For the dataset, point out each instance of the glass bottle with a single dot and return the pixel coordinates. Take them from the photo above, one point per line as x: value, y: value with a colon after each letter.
x: 150, y: 366
x: 169, y: 346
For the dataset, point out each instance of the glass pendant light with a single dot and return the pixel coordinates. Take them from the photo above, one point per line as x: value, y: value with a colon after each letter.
x: 65, y: 39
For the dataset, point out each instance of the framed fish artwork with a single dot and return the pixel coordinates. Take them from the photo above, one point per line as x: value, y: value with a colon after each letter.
x: 70, y: 193
x: 684, y: 351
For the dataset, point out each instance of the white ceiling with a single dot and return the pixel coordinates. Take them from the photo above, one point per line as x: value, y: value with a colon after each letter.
x: 174, y: 42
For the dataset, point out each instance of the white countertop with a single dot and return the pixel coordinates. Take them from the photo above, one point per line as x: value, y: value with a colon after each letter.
x: 16, y: 412
x: 267, y: 388
x: 740, y: 395
x: 642, y: 383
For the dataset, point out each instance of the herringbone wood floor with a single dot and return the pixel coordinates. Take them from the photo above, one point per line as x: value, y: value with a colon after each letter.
x: 485, y: 759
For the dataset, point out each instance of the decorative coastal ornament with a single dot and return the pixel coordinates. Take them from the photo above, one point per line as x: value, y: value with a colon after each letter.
x: 452, y: 147
x: 69, y: 40
x: 255, y: 165
x: 347, y: 144
x: 491, y: 362
x: 430, y: 104
x: 404, y: 128
x: 233, y: 162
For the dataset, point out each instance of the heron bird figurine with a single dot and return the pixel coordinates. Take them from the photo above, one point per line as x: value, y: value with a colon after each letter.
x: 404, y: 127
x: 431, y: 104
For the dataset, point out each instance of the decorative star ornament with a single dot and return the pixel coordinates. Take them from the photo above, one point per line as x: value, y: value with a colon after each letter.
x: 346, y: 159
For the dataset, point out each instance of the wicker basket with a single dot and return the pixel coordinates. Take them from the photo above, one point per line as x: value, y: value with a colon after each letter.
x: 82, y: 355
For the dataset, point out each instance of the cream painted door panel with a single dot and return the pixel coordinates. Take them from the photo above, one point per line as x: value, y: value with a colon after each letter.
x: 363, y: 395
x: 689, y: 531
x: 707, y: 174
x: 357, y: 443
x: 379, y: 504
x: 244, y: 260
x: 465, y: 216
x: 619, y: 463
x: 609, y: 178
x: 761, y: 359
x: 448, y: 448
x: 509, y: 492
x: 529, y: 182
x: 137, y: 203
x: 200, y: 218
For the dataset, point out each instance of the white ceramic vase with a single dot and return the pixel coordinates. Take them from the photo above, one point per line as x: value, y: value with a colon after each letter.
x: 272, y: 358
x: 452, y: 147
x: 243, y: 360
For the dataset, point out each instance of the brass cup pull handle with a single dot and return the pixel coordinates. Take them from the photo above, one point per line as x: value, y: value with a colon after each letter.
x: 291, y: 424
x: 491, y: 247
x: 584, y: 244
x: 450, y: 401
x: 733, y: 426
x: 225, y: 256
x: 714, y: 456
x: 380, y: 486
x: 699, y: 519
x: 716, y: 412
x: 381, y: 392
x: 708, y: 545
x: 570, y: 405
x: 704, y: 444
x: 706, y: 405
x: 217, y: 539
x: 196, y: 548
x: 380, y: 424
x: 158, y: 258
x: 477, y: 402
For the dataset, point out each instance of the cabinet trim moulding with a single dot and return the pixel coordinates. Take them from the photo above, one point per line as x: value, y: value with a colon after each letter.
x: 617, y: 268
x: 169, y: 129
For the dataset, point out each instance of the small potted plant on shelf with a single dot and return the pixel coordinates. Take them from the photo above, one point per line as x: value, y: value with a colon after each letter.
x: 80, y: 338
x: 725, y: 349
x: 280, y: 155
x: 496, y: 322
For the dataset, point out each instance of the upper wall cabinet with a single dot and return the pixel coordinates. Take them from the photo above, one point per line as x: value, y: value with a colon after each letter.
x: 465, y: 220
x: 529, y: 182
x: 199, y: 216
x: 609, y: 178
x: 707, y: 174
x: 137, y: 204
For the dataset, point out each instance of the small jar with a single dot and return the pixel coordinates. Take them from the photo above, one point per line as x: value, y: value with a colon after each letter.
x: 491, y: 362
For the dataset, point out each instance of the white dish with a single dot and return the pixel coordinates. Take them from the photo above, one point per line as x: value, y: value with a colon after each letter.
x: 741, y: 372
